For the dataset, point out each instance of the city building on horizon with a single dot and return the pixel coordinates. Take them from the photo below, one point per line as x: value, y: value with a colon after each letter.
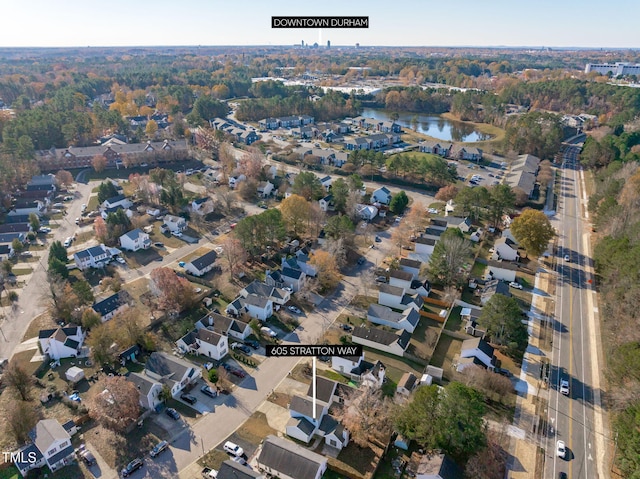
x: 617, y: 69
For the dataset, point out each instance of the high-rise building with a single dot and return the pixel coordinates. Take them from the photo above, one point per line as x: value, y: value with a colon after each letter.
x: 328, y: 43
x: 357, y: 45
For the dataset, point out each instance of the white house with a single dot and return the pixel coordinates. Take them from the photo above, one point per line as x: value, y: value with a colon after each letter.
x: 406, y: 384
x: 293, y: 278
x: 61, y: 343
x: 204, y: 342
x: 257, y: 307
x: 201, y: 265
x: 382, y: 196
x: 358, y: 369
x: 135, y: 240
x: 225, y: 325
x: 277, y: 295
x: 366, y: 212
x: 300, y: 261
x: 175, y: 223
x: 392, y: 343
x: 411, y: 266
x: 326, y: 203
x: 463, y: 224
x: 502, y: 270
x: 424, y: 246
x: 117, y: 201
x: 202, y: 206
x: 287, y: 460
x: 149, y: 390
x: 401, y: 279
x: 506, y: 233
x: 396, y: 298
x: 109, y: 307
x: 326, y: 182
x: 176, y: 373
x: 265, y: 189
x: 94, y: 257
x: 505, y: 249
x: 407, y: 320
x: 479, y: 349
x: 234, y: 181
x: 51, y: 446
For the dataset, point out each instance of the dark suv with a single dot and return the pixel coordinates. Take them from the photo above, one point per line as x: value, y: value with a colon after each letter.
x: 188, y: 398
x: 132, y: 467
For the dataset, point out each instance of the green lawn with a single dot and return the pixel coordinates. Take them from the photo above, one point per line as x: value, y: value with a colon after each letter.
x: 454, y: 323
x: 444, y: 353
x: 22, y: 271
x: 9, y: 473
x: 478, y: 270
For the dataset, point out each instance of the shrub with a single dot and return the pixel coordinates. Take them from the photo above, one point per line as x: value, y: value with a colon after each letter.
x: 213, y: 376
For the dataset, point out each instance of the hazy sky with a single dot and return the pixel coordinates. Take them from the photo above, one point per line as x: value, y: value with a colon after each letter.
x: 585, y: 23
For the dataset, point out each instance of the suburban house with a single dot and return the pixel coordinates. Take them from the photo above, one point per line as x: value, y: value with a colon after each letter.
x: 407, y: 320
x: 301, y: 261
x: 411, y: 266
x: 277, y: 295
x: 232, y: 470
x: 235, y: 180
x: 293, y: 278
x: 204, y: 342
x: 265, y: 189
x: 433, y: 466
x: 109, y: 307
x: 6, y: 238
x: 506, y: 233
x: 406, y: 384
x: 23, y: 228
x: 505, y: 249
x: 172, y: 371
x: 392, y: 343
x: 435, y: 148
x: 502, y: 270
x: 135, y: 240
x: 61, y: 343
x: 6, y: 251
x: 326, y: 203
x: 201, y: 265
x: 424, y: 246
x: 225, y: 325
x: 202, y: 206
x: 175, y: 223
x: 269, y: 124
x: 287, y: 460
x: 470, y: 316
x: 106, y: 211
x: 304, y: 427
x: 382, y: 196
x: 492, y: 287
x: 115, y: 201
x: 463, y: 224
x: 93, y: 257
x: 465, y: 153
x: 366, y: 212
x: 401, y: 279
x: 395, y: 297
x: 326, y: 182
x: 50, y: 446
x: 356, y: 368
x: 478, y: 349
x: 149, y: 390
x: 257, y: 307
x: 353, y: 144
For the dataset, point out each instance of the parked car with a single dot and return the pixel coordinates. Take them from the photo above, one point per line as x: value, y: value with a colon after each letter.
x: 208, y: 366
x: 209, y: 391
x: 567, y: 258
x: 325, y: 359
x: 173, y: 414
x: 515, y: 285
x: 294, y: 309
x: 132, y: 467
x: 161, y: 446
x: 381, y: 279
x: 241, y: 347
x: 44, y: 230
x: 181, y: 264
x: 68, y: 242
x: 120, y: 260
x: 83, y: 207
x: 158, y: 244
x: 378, y: 239
x: 233, y: 448
x: 564, y: 387
x: 361, y: 260
x: 86, y: 455
x: 347, y: 327
x: 240, y: 460
x: 561, y: 449
x: 239, y: 373
x: 268, y: 331
x: 177, y: 234
x: 189, y: 398
x: 252, y: 344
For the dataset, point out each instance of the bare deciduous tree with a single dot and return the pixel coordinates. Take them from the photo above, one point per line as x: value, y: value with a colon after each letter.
x: 114, y: 403
x: 19, y: 379
x: 21, y: 417
x: 367, y: 415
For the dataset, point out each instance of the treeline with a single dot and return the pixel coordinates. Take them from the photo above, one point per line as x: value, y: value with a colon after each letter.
x: 535, y: 133
x: 619, y: 145
x: 615, y: 206
x: 414, y: 99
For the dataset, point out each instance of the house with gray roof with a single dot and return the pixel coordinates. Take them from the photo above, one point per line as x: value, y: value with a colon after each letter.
x: 523, y: 173
x: 94, y: 257
x: 433, y: 466
x: 148, y: 388
x: 176, y: 373
x: 225, y: 325
x: 293, y: 278
x: 277, y: 295
x: 232, y: 470
x: 202, y: 264
x: 479, y: 349
x: 204, y: 342
x: 61, y: 343
x: 381, y: 195
x: 255, y: 306
x: 407, y: 320
x: 112, y: 305
x: 492, y: 287
x: 287, y: 460
x: 135, y: 240
x: 376, y: 338
x: 50, y: 446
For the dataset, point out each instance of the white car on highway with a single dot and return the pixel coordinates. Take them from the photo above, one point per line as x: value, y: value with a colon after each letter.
x: 564, y: 387
x: 561, y: 449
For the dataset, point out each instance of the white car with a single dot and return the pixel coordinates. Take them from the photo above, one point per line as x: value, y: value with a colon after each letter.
x: 68, y: 242
x: 268, y: 331
x: 564, y: 387
x: 177, y: 234
x: 561, y: 449
x: 233, y: 448
x: 515, y: 285
x: 120, y: 260
x: 293, y: 309
x: 83, y: 207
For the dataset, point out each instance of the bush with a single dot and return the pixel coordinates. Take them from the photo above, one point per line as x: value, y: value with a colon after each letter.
x: 213, y: 376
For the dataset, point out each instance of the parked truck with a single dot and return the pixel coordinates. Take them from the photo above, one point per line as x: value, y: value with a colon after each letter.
x: 209, y: 473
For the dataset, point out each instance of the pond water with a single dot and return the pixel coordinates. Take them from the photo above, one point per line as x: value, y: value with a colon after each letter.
x: 432, y: 125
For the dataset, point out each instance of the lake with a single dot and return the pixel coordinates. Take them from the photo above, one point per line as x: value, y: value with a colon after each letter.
x: 431, y: 125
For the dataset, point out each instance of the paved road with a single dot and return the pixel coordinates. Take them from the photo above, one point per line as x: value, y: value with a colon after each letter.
x: 576, y: 417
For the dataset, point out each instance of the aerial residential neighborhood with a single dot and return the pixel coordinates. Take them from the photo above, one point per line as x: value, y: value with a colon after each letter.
x: 174, y: 218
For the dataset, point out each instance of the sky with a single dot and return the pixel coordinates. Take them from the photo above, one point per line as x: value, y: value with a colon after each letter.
x: 549, y: 23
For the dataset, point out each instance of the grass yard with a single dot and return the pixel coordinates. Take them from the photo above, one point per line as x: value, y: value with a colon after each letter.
x: 355, y: 461
x: 9, y: 473
x: 195, y: 254
x: 478, y: 270
x: 444, y: 353
x: 213, y: 459
x: 454, y: 322
x: 168, y: 240
x: 424, y: 337
x: 136, y: 259
x: 255, y: 429
x: 22, y: 271
x: 363, y: 302
x: 118, y: 450
x: 92, y: 205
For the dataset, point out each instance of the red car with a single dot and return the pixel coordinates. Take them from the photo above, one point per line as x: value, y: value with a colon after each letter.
x: 238, y: 373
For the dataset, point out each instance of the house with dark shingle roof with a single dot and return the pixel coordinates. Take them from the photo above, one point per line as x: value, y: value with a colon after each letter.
x: 114, y: 304
x: 93, y: 257
x: 406, y: 384
x: 201, y: 265
x: 134, y: 240
x: 479, y: 349
x: 206, y: 342
x: 287, y: 460
x: 118, y: 200
x: 232, y: 470
x: 376, y: 338
x: 407, y: 320
x: 358, y: 369
x: 61, y: 343
x: 148, y: 388
x: 225, y: 325
x: 433, y: 466
x: 277, y: 295
x: 257, y: 307
x: 293, y: 278
x: 176, y: 373
x: 50, y: 446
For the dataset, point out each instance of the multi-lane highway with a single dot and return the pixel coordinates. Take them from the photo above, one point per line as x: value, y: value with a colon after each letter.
x: 574, y: 418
